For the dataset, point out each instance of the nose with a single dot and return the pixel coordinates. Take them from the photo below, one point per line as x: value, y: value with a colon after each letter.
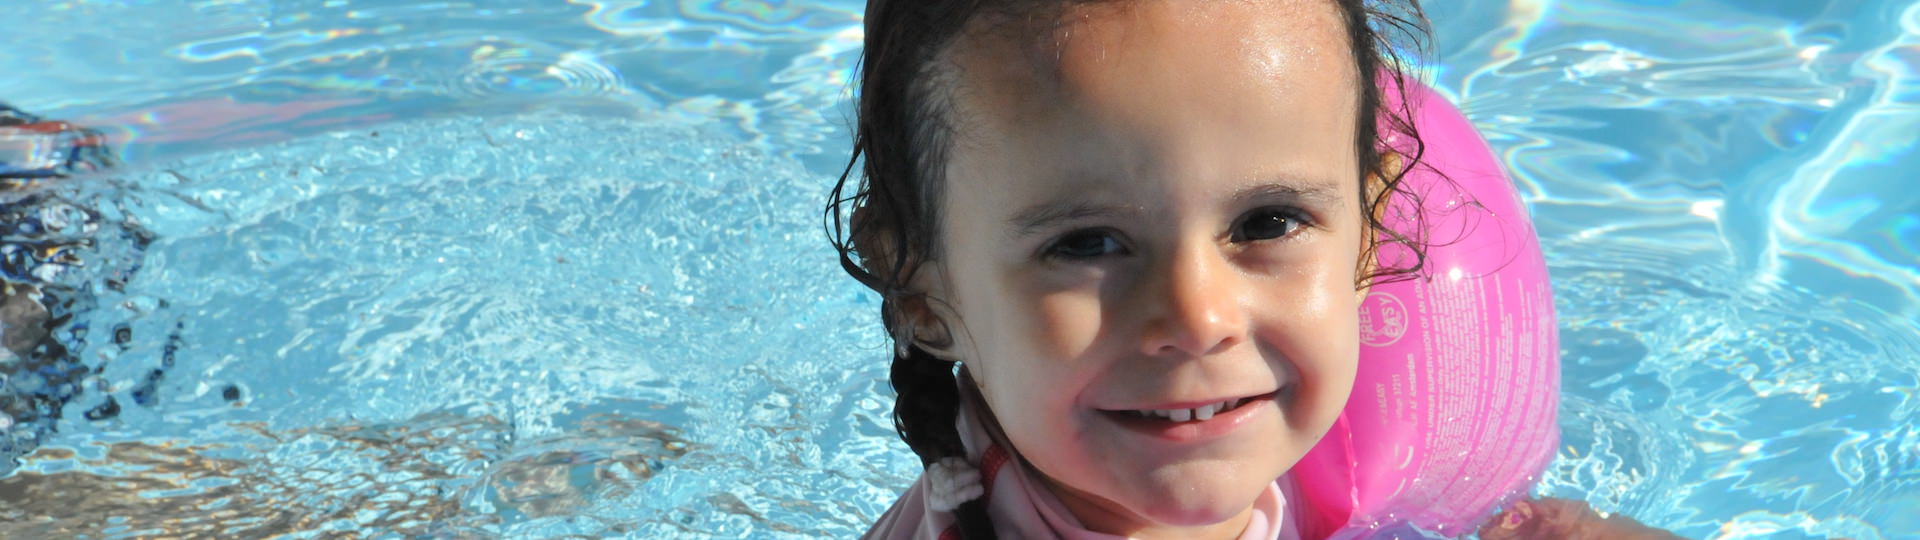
x: 1199, y: 310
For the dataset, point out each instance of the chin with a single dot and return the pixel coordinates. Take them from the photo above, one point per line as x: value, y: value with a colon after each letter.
x: 1201, y: 500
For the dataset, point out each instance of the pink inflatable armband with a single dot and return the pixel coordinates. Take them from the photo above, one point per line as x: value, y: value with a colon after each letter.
x: 1453, y: 408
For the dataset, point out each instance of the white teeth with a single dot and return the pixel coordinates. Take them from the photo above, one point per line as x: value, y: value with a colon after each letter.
x: 1202, y: 412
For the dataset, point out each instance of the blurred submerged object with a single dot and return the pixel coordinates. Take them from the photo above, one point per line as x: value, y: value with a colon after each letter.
x: 412, y: 477
x: 34, y: 148
x: 49, y: 231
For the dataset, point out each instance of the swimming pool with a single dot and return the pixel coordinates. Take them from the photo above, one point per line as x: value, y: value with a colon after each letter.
x: 537, y: 269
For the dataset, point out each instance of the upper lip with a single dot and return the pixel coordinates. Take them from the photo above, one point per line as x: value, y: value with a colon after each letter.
x: 1191, y: 404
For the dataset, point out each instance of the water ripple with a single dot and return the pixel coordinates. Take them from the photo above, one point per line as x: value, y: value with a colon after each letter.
x: 1777, y: 400
x: 520, y: 72
x: 775, y: 71
x: 531, y: 277
x: 1787, y: 124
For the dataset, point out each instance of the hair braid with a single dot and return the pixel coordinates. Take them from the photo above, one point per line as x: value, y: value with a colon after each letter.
x: 926, y: 414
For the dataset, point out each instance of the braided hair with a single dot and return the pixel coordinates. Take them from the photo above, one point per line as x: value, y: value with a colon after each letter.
x: 884, y: 224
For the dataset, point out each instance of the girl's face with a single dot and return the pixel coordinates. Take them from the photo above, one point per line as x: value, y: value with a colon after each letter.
x: 1155, y: 206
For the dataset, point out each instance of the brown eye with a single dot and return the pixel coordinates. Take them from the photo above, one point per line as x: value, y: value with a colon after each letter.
x: 1085, y: 244
x: 1268, y: 224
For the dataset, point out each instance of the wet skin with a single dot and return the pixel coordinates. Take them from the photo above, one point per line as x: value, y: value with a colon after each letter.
x: 1155, y: 205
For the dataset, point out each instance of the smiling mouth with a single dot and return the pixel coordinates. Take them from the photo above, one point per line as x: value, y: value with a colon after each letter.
x: 1196, y: 414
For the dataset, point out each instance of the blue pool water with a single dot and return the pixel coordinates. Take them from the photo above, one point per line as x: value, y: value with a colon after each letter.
x: 534, y: 269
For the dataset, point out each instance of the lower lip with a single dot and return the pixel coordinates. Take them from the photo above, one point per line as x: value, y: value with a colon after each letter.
x: 1193, y: 430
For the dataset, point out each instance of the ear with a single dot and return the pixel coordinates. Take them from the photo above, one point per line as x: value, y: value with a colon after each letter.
x: 929, y: 319
x: 911, y: 307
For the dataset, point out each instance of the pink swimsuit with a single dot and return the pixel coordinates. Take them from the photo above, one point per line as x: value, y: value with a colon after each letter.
x: 1023, y: 508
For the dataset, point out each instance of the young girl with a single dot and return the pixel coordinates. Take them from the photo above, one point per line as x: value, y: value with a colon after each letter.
x: 1121, y: 246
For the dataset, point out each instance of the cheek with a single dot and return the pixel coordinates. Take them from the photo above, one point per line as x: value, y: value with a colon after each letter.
x: 1027, y: 341
x: 1034, y: 321
x: 1065, y: 324
x: 1327, y: 336
x: 1340, y: 354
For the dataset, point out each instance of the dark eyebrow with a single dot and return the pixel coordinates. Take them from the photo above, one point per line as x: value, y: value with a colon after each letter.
x: 1038, y: 217
x: 1316, y: 193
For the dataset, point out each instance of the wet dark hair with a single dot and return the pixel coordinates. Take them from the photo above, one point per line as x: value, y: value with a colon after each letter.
x: 904, y: 131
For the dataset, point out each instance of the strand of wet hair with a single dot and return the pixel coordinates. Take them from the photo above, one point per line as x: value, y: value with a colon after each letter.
x: 926, y: 413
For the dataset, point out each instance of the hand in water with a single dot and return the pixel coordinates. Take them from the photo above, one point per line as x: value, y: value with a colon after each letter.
x: 1563, y: 519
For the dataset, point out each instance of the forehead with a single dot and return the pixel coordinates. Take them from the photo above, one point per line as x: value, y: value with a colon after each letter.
x: 1251, y: 41
x: 1258, y: 48
x: 1150, y: 90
